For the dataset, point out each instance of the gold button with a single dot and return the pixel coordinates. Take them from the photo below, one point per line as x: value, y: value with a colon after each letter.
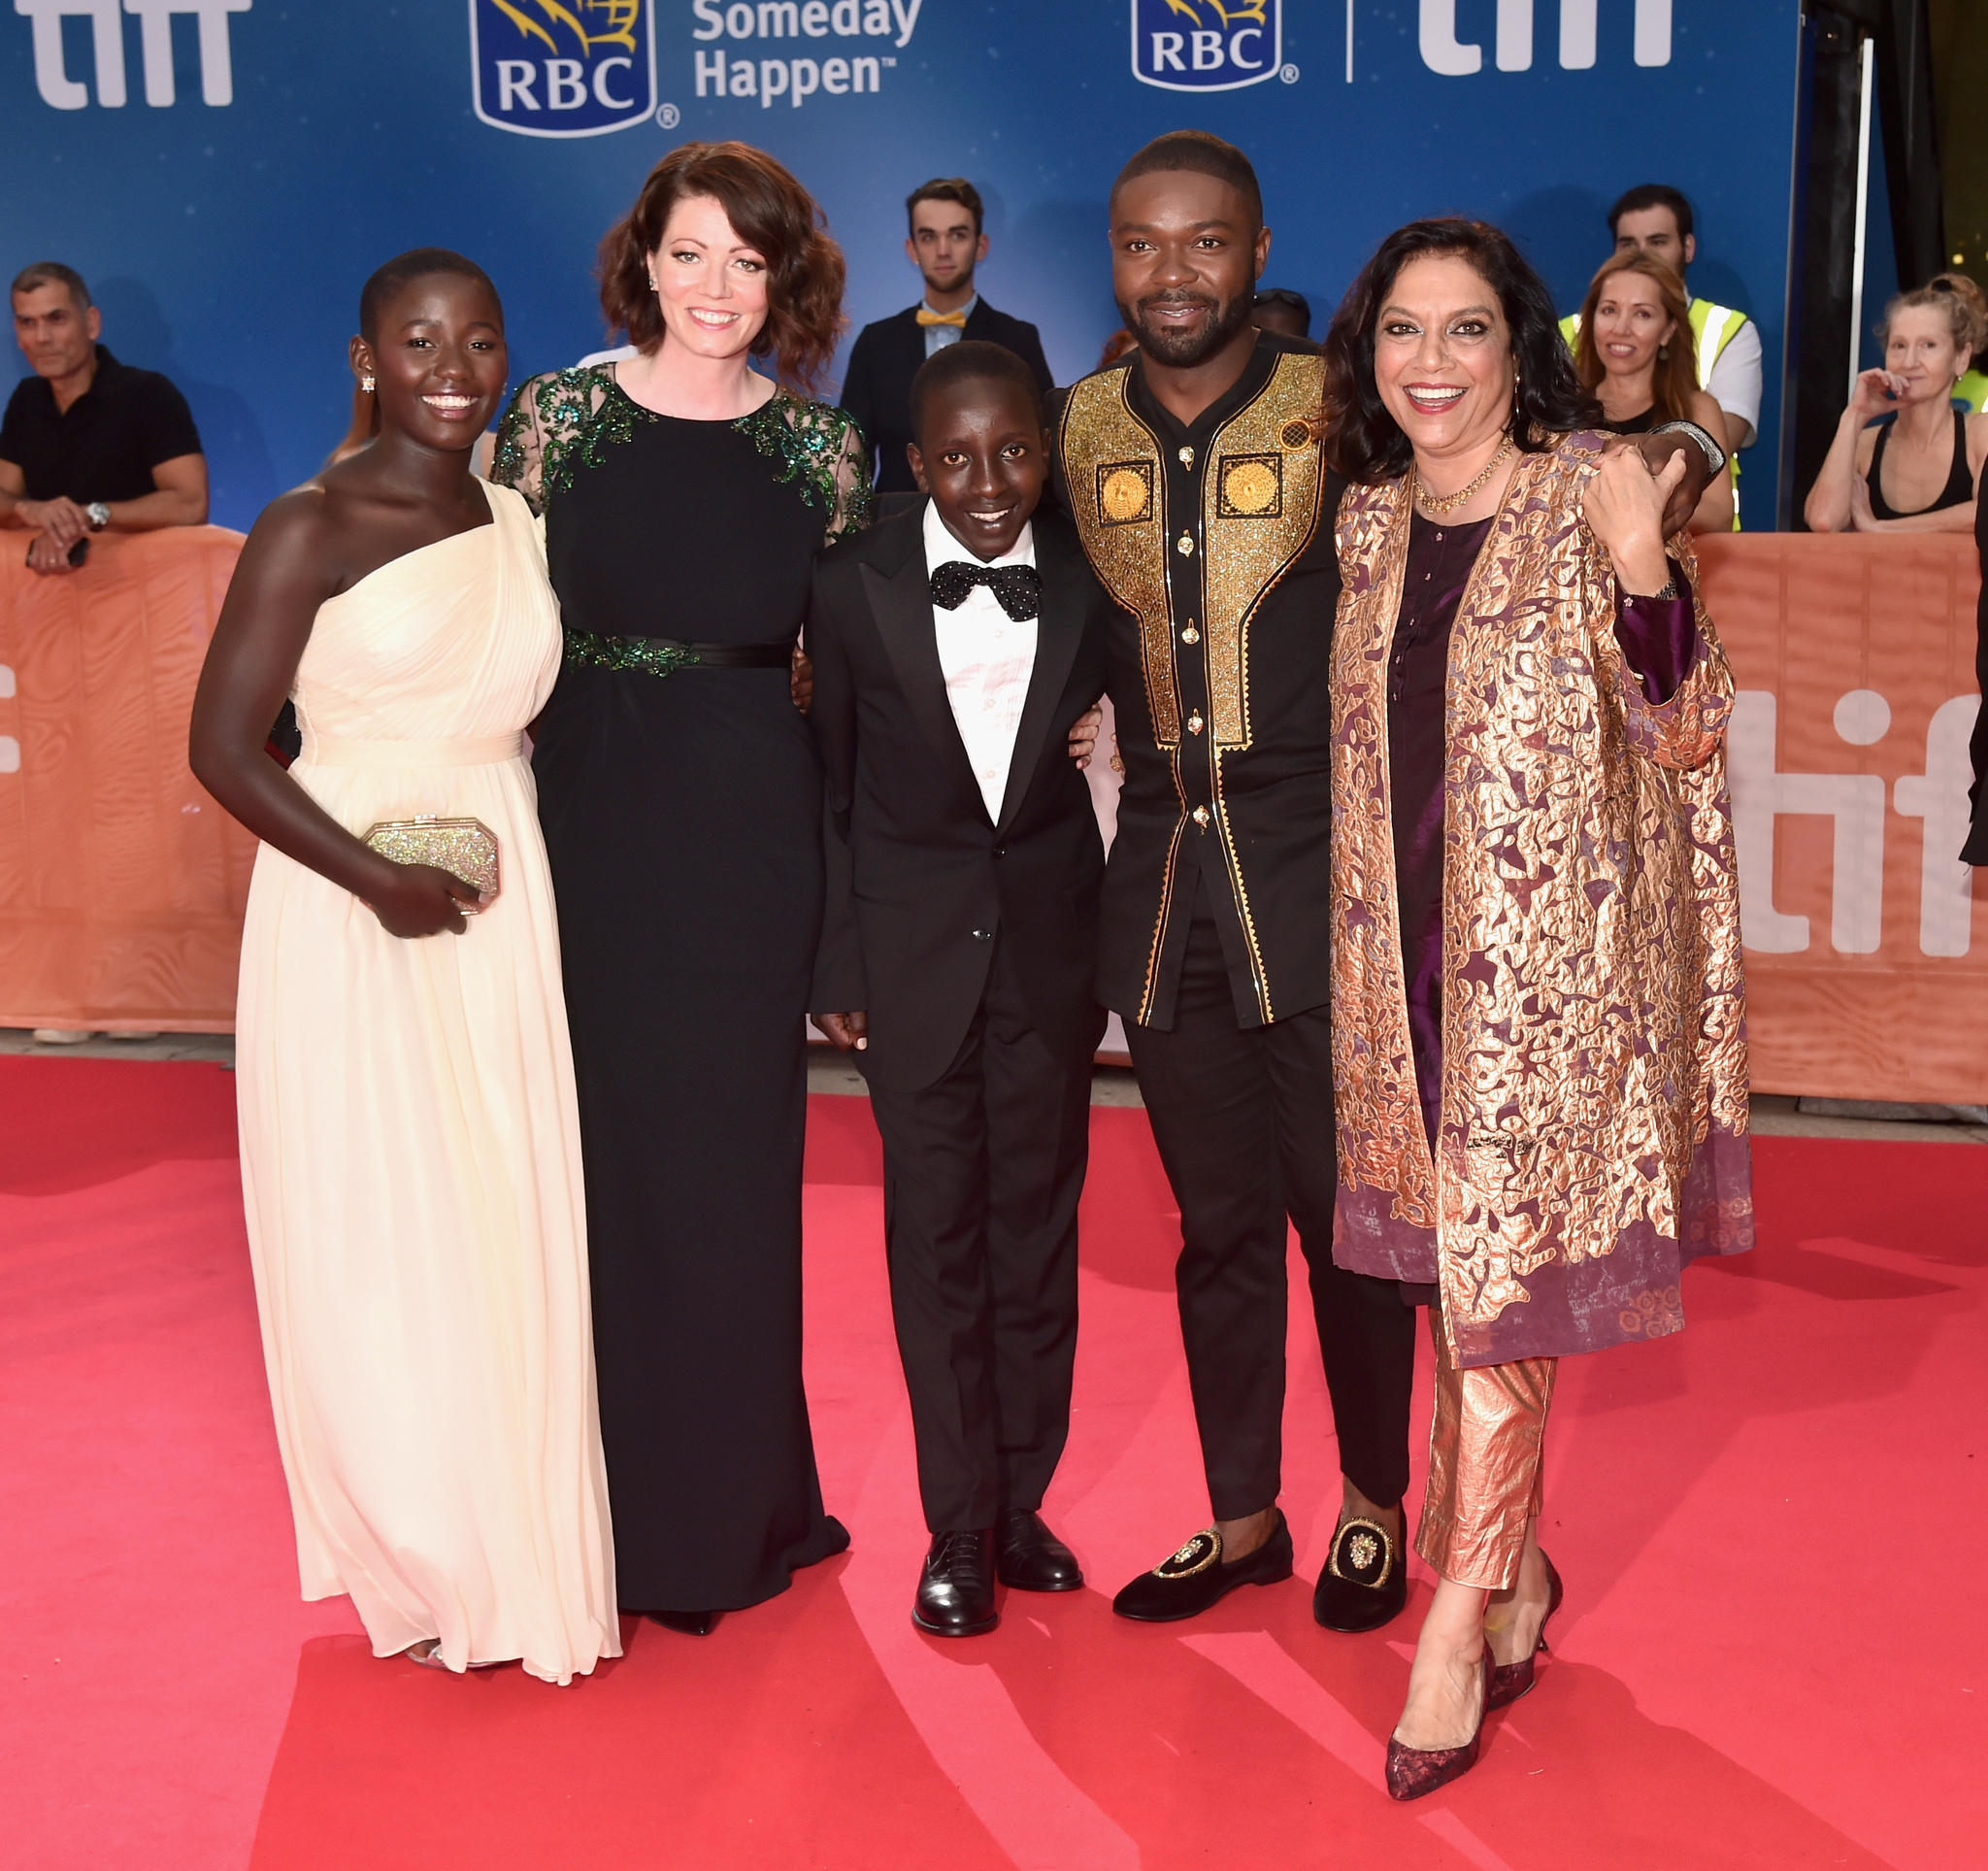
x: 1190, y: 635
x: 1195, y: 723
x: 1187, y: 458
x: 1201, y: 817
x: 1185, y: 545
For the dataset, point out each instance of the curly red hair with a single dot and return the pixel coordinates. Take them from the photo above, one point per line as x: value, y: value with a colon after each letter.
x: 769, y: 209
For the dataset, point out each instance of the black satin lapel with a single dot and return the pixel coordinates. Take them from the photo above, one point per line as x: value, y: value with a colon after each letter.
x: 901, y: 605
x: 1059, y: 630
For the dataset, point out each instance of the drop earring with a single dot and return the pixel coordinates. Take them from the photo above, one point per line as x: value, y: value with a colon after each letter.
x: 366, y: 385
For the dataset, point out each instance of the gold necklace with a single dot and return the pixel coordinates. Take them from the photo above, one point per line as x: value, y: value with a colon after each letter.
x: 1449, y: 502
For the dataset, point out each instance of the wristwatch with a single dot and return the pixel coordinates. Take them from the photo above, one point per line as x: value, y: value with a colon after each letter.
x: 1714, y: 456
x: 98, y: 515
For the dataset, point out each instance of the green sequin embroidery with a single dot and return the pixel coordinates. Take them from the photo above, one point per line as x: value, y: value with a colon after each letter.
x: 582, y: 412
x: 807, y: 440
x: 580, y: 415
x: 652, y: 655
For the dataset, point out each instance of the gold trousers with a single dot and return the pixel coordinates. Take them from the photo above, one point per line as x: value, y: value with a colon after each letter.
x: 1484, y: 1447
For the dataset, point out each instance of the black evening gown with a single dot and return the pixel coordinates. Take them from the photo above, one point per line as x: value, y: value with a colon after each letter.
x: 682, y: 816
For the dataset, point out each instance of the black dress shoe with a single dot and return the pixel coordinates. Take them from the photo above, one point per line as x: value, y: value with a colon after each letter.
x: 956, y: 1590
x: 1029, y: 1558
x: 1366, y: 1578
x: 692, y: 1624
x: 1197, y: 1577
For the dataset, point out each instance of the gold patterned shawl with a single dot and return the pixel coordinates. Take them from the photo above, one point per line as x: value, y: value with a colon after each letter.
x: 1593, y: 1106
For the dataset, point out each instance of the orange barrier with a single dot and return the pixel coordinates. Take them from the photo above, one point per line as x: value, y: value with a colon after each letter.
x: 1867, y: 948
x: 121, y: 883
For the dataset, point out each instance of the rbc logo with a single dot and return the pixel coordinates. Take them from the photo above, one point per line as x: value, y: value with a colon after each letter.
x: 1207, y: 44
x: 563, y: 68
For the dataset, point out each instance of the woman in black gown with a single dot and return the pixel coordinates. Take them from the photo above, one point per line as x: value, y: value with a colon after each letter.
x: 685, y: 496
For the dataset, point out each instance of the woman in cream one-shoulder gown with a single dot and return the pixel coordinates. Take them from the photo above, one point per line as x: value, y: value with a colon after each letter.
x: 409, y: 1138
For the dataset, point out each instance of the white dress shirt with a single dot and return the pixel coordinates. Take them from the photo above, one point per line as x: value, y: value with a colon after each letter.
x: 986, y: 657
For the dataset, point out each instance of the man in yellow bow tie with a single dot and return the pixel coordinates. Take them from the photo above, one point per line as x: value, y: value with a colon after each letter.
x: 947, y: 241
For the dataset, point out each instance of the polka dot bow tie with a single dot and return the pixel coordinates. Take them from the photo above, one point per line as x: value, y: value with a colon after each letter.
x: 1018, y: 588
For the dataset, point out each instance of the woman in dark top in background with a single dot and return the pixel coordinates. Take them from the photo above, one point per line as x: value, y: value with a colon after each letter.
x: 684, y: 497
x: 1918, y: 473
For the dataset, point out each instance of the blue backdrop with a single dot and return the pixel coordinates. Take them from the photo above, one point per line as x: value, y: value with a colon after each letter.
x: 225, y: 172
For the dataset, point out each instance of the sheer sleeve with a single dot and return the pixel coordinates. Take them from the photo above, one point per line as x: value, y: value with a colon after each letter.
x: 820, y: 451
x: 851, y: 509
x: 555, y: 423
x: 519, y: 460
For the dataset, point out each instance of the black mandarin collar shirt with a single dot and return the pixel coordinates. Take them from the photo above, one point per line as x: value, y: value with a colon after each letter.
x: 105, y: 446
x: 1248, y: 830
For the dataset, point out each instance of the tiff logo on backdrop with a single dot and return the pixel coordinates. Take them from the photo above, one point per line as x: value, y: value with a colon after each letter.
x: 62, y: 92
x: 1512, y: 47
x: 563, y: 68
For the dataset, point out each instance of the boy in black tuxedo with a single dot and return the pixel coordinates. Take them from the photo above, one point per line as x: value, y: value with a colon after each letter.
x: 954, y: 645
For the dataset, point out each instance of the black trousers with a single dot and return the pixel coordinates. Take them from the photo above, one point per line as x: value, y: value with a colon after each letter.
x: 981, y: 1174
x: 1243, y: 1119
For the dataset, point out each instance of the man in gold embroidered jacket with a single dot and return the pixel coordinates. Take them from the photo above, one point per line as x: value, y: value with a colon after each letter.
x: 1592, y: 1129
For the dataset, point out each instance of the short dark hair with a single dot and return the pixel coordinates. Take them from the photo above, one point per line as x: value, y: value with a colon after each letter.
x: 1291, y: 301
x: 1366, y: 442
x: 416, y: 263
x: 1653, y: 194
x: 1199, y: 154
x: 53, y: 273
x: 947, y: 188
x: 766, y: 207
x: 971, y: 361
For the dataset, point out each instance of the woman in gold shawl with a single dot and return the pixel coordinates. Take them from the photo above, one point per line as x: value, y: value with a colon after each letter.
x: 1538, y: 1025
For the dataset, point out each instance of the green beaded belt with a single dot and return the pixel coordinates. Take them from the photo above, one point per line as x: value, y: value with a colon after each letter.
x: 664, y: 656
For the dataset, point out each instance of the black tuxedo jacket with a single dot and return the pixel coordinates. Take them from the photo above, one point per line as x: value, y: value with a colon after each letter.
x: 886, y: 358
x: 920, y: 879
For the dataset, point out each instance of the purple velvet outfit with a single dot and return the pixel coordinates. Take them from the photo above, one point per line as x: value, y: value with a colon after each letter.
x: 1659, y: 640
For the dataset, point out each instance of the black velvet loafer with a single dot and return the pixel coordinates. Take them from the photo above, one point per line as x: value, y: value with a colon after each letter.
x: 1197, y: 1577
x: 692, y: 1624
x: 1366, y: 1578
x: 956, y: 1589
x: 1029, y: 1558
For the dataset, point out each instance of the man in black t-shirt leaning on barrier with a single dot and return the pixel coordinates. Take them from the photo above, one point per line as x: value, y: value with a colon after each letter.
x: 89, y: 444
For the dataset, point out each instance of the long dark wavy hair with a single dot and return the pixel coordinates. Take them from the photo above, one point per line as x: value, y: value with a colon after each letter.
x: 1366, y: 442
x: 768, y: 209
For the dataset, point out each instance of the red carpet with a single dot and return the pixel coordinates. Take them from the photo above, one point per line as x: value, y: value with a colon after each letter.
x: 1771, y: 1654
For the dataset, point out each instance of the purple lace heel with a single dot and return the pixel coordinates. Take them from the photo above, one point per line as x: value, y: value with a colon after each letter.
x: 1510, y: 1681
x: 1412, y: 1772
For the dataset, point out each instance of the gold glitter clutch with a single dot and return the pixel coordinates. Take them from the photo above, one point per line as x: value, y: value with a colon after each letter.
x: 464, y: 848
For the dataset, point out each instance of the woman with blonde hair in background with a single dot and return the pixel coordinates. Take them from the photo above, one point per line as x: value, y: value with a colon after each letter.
x: 1635, y: 356
x: 1919, y: 472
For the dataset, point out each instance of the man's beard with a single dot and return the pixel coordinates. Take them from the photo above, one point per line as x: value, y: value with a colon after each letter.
x: 1183, y: 350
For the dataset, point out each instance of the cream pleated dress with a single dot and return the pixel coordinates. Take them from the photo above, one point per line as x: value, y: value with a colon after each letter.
x: 411, y: 1145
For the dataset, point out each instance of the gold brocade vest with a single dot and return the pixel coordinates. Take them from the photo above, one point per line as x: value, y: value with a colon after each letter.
x: 1259, y: 512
